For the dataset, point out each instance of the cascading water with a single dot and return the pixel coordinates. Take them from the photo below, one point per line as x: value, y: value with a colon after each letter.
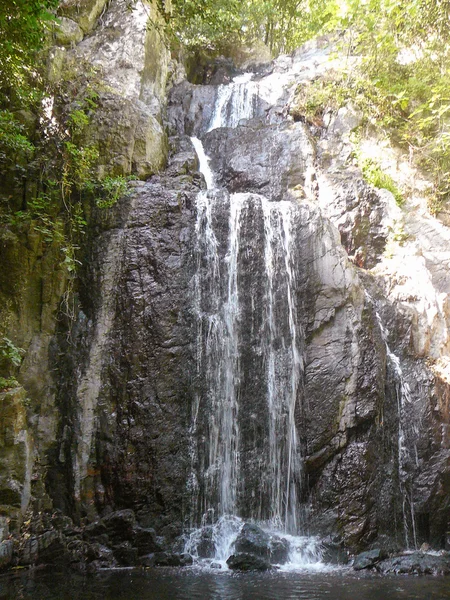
x: 404, y: 398
x: 234, y: 102
x: 245, y: 260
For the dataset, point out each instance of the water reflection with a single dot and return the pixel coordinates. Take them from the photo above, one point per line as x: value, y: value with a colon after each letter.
x: 172, y: 584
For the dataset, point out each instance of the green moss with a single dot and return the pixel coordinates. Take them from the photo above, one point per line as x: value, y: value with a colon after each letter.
x: 374, y: 175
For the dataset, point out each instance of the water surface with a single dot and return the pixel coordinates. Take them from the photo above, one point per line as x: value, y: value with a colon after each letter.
x: 191, y: 584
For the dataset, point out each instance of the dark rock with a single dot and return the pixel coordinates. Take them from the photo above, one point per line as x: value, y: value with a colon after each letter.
x: 416, y: 563
x: 248, y: 562
x: 186, y: 559
x: 334, y: 551
x: 51, y: 548
x: 367, y: 560
x: 120, y: 525
x: 145, y: 541
x: 6, y: 553
x: 126, y: 554
x: 205, y: 546
x: 215, y: 565
x: 94, y: 530
x: 279, y: 549
x: 29, y: 552
x: 62, y: 523
x: 265, y: 160
x: 148, y: 560
x: 253, y: 540
x: 166, y: 559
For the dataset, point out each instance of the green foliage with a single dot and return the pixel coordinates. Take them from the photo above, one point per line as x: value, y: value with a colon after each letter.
x: 219, y: 24
x: 113, y: 188
x: 13, y: 140
x: 374, y: 175
x: 10, y: 353
x: 8, y: 383
x: 23, y: 27
x: 405, y: 74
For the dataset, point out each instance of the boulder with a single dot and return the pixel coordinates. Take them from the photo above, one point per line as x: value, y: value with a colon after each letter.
x: 67, y: 32
x: 145, y: 541
x: 6, y: 553
x: 248, y: 562
x: 416, y: 563
x: 278, y: 550
x: 165, y: 559
x: 205, y: 546
x: 253, y: 540
x: 85, y: 12
x: 120, y: 525
x: 126, y: 554
x: 367, y: 560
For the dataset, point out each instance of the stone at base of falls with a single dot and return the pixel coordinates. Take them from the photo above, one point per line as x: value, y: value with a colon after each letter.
x: 334, y: 551
x: 248, y: 562
x: 253, y: 540
x: 206, y: 547
x: 367, y: 560
x: 279, y: 550
x: 166, y: 559
x: 416, y: 563
x: 6, y: 553
x: 126, y: 554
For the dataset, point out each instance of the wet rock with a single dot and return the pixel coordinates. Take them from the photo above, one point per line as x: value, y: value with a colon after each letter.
x: 267, y: 160
x: 205, y: 546
x: 166, y: 559
x: 215, y: 565
x: 253, y: 540
x: 334, y: 551
x: 367, y: 560
x: 126, y: 554
x: 416, y: 563
x: 147, y: 561
x: 186, y: 559
x: 248, y: 562
x: 279, y: 549
x: 145, y: 541
x: 120, y: 525
x: 6, y: 553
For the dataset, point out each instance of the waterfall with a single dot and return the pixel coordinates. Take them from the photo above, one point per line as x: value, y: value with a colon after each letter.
x: 218, y: 309
x: 245, y: 282
x: 404, y: 398
x: 235, y: 101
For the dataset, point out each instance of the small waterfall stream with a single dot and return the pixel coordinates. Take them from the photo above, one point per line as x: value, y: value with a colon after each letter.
x: 248, y: 274
x: 404, y: 398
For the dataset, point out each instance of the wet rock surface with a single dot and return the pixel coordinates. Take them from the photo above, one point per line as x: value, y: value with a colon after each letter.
x: 367, y: 560
x: 416, y: 563
x: 115, y: 430
x: 247, y: 562
x: 253, y: 540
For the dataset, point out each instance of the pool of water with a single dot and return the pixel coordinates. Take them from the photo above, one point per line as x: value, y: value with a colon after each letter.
x: 191, y: 584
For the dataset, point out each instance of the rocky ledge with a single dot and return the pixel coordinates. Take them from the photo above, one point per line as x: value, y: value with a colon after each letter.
x: 116, y: 540
x: 412, y: 563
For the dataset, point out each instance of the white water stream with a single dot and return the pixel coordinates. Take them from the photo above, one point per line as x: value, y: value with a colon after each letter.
x: 218, y: 289
x: 404, y: 458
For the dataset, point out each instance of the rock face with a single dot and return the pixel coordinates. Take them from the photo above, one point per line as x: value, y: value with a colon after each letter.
x: 228, y: 351
x: 127, y: 65
x: 416, y: 564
